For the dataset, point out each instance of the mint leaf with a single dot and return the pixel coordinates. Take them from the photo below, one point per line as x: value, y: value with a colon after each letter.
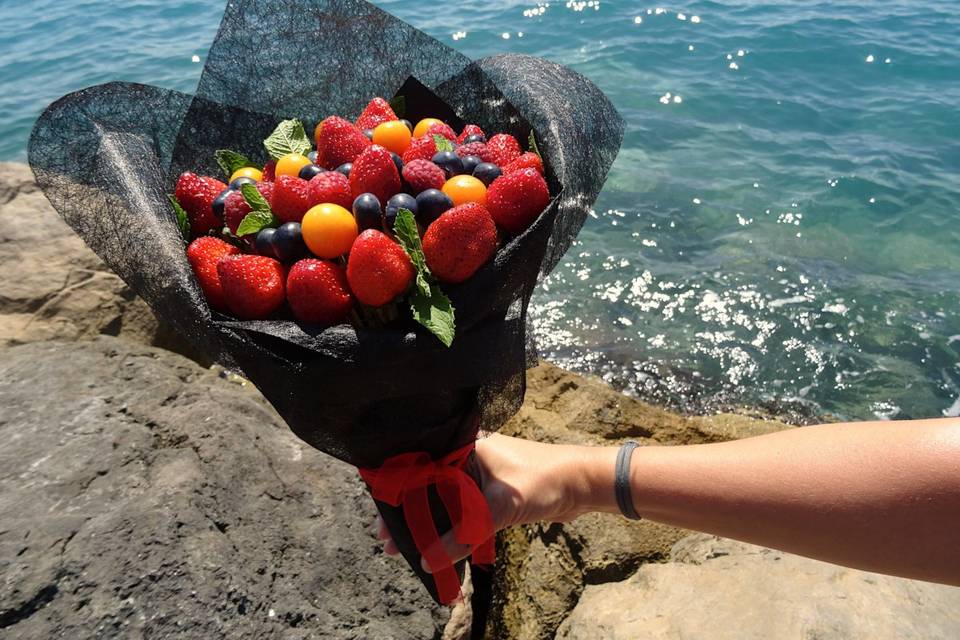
x: 405, y: 227
x: 183, y: 220
x: 255, y: 221
x: 442, y: 143
x: 253, y: 198
x: 532, y: 144
x: 230, y: 161
x: 399, y: 105
x: 288, y: 137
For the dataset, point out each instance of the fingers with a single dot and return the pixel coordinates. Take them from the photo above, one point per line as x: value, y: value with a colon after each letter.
x: 390, y: 547
x: 449, y: 549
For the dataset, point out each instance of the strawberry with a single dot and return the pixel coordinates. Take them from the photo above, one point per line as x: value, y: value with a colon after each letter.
x: 290, y: 200
x: 252, y: 285
x: 459, y: 242
x: 330, y: 187
x: 478, y: 149
x: 204, y: 253
x: 235, y: 209
x: 470, y: 130
x: 422, y: 148
x: 318, y: 292
x: 196, y: 195
x: 338, y: 142
x: 528, y: 160
x: 375, y: 172
x: 377, y: 112
x: 378, y: 268
x: 516, y: 199
x: 270, y: 171
x: 443, y: 129
x: 422, y: 175
x: 502, y: 149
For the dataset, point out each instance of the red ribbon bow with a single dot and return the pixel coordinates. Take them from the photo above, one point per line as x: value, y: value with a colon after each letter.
x: 403, y: 481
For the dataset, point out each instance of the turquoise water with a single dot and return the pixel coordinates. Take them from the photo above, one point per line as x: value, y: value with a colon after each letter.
x: 783, y: 222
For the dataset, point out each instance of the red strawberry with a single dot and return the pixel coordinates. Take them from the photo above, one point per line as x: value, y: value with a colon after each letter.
x: 528, y: 160
x: 236, y: 208
x: 442, y: 129
x: 422, y: 175
x: 377, y: 112
x: 470, y: 130
x: 252, y: 285
x: 196, y: 195
x: 422, y: 148
x: 459, y: 242
x: 204, y: 253
x: 338, y: 142
x: 290, y: 200
x: 330, y: 187
x: 516, y: 199
x: 378, y: 269
x: 375, y: 172
x: 270, y: 171
x: 318, y: 292
x: 502, y: 149
x: 478, y: 149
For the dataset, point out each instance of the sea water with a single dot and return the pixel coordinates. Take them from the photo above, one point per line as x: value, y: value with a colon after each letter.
x: 781, y: 227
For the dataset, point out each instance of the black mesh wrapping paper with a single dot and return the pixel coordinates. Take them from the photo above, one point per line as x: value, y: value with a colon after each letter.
x: 107, y: 156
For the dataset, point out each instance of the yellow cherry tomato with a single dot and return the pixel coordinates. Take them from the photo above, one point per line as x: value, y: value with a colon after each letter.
x: 247, y: 172
x: 329, y: 230
x: 463, y: 189
x: 423, y: 125
x: 393, y: 135
x: 290, y: 164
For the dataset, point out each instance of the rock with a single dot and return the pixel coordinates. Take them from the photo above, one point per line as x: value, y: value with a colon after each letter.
x: 721, y: 589
x: 54, y: 287
x: 143, y: 496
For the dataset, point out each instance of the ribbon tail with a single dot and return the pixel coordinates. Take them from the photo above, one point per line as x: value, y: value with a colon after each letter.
x: 416, y: 509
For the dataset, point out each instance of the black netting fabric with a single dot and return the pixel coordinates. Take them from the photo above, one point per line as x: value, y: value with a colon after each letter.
x: 107, y: 156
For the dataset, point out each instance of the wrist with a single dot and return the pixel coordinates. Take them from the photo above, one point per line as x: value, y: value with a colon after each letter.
x: 592, y: 475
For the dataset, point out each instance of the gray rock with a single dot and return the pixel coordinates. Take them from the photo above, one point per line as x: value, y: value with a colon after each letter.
x: 718, y: 589
x: 141, y: 496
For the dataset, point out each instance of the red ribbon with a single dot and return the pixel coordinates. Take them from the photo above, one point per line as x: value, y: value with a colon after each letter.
x: 403, y: 481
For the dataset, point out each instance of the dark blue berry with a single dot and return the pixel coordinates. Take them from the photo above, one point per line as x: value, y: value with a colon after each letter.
x: 368, y: 133
x: 288, y: 242
x: 397, y: 160
x: 312, y: 157
x: 311, y: 170
x: 470, y: 163
x: 486, y: 172
x: 345, y: 168
x: 407, y: 123
x: 430, y: 204
x: 449, y: 162
x: 239, y: 182
x: 477, y: 137
x: 394, y: 204
x: 220, y: 203
x: 366, y: 210
x: 264, y: 242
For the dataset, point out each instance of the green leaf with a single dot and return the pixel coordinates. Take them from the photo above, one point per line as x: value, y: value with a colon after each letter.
x: 405, y: 227
x: 255, y: 221
x: 288, y: 137
x: 399, y: 105
x: 532, y: 144
x: 442, y: 143
x: 183, y: 220
x: 230, y: 161
x: 253, y: 198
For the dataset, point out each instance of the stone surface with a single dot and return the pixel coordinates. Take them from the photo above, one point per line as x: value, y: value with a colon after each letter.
x: 721, y: 589
x: 141, y: 496
x: 54, y: 287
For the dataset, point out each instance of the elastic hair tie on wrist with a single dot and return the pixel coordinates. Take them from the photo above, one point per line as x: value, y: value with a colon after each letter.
x: 621, y: 484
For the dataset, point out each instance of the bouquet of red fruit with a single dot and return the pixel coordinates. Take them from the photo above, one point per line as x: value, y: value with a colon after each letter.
x: 331, y: 287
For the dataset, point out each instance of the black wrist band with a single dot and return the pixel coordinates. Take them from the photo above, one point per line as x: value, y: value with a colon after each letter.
x: 621, y: 481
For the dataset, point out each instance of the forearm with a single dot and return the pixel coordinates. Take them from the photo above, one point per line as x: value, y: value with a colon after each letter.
x: 878, y: 496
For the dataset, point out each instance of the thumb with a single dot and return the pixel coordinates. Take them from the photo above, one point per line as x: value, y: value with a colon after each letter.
x: 447, y: 550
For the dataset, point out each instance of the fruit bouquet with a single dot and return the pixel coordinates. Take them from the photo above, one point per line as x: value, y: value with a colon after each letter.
x: 372, y: 280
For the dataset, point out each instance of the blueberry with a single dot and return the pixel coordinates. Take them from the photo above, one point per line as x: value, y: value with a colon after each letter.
x: 470, y: 163
x: 311, y: 170
x: 220, y: 202
x: 312, y: 157
x: 449, y: 162
x: 264, y: 242
x: 407, y: 123
x: 394, y: 204
x: 366, y: 210
x: 345, y: 168
x: 477, y: 137
x: 486, y: 172
x: 397, y: 160
x: 288, y: 242
x: 368, y: 133
x: 239, y: 182
x: 430, y: 204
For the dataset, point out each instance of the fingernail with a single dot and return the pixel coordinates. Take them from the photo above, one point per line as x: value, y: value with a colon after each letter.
x: 424, y: 565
